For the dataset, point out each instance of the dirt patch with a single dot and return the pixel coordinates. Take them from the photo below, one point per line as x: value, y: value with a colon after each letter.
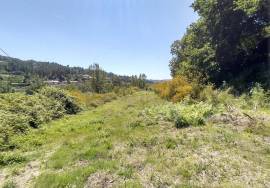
x: 235, y: 117
x: 28, y: 173
x: 240, y: 118
x: 81, y: 163
x: 145, y: 176
x: 3, y: 175
x: 102, y: 180
x: 31, y: 171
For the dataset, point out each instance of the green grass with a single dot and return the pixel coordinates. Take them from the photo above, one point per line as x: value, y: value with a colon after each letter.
x: 113, y: 145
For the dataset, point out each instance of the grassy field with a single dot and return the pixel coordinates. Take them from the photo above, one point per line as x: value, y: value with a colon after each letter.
x: 111, y: 146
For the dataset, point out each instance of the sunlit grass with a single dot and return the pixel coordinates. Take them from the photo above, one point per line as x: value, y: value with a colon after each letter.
x: 112, y: 140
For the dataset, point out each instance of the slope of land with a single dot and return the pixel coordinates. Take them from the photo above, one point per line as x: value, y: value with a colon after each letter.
x: 109, y: 147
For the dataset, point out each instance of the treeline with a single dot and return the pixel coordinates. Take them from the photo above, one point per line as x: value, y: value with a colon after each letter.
x: 46, y: 70
x: 102, y: 82
x: 15, y: 73
x: 229, y: 44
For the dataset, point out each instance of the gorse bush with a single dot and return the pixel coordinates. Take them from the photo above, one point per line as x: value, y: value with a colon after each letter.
x: 175, y: 90
x: 20, y: 112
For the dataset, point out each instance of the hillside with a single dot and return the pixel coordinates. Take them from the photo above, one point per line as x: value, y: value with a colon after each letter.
x: 19, y: 75
x: 112, y: 146
x: 49, y: 70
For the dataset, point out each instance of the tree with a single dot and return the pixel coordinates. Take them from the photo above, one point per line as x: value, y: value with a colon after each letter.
x: 139, y: 82
x: 98, y: 78
x: 193, y: 55
x: 142, y: 81
x: 228, y: 43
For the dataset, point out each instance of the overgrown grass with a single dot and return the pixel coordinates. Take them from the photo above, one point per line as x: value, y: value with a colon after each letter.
x: 115, y: 145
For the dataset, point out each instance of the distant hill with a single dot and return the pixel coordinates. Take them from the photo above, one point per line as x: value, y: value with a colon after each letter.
x: 45, y: 70
x: 158, y: 81
x: 49, y: 70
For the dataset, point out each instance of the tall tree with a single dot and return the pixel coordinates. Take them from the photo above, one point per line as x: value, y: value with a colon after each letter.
x: 230, y: 42
x: 98, y: 78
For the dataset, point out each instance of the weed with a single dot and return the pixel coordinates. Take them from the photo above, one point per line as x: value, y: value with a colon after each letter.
x: 10, y: 158
x: 9, y: 184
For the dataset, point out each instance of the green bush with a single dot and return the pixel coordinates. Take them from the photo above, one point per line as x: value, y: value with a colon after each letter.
x: 20, y: 112
x: 256, y: 98
x: 182, y: 114
x: 259, y: 98
x: 8, y: 159
x: 67, y: 101
x: 181, y: 122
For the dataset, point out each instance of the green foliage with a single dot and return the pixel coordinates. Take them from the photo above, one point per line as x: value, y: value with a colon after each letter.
x: 171, y: 143
x: 193, y: 55
x: 181, y: 122
x: 259, y: 98
x: 99, y: 145
x: 195, y: 110
x: 9, y: 159
x: 182, y: 114
x: 61, y: 96
x: 34, y: 84
x: 98, y: 78
x: 30, y: 76
x: 9, y: 184
x: 224, y: 98
x: 139, y: 82
x: 20, y: 112
x: 248, y: 6
x: 216, y: 50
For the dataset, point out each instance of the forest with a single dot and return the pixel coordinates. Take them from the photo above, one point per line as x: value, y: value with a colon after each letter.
x: 19, y: 75
x: 229, y: 44
x: 207, y: 126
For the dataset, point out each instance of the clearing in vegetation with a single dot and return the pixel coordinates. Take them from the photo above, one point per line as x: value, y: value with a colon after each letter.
x: 139, y: 140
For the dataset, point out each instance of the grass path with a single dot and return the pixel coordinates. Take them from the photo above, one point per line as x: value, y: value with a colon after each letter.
x: 80, y: 140
x: 109, y: 147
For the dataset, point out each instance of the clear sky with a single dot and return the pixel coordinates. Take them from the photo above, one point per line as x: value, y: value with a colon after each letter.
x: 124, y: 36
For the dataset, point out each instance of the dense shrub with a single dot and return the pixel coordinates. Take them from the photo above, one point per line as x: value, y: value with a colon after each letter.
x: 20, y: 112
x: 181, y: 122
x: 259, y: 98
x: 194, y: 110
x: 60, y: 95
x: 8, y: 159
x: 175, y: 90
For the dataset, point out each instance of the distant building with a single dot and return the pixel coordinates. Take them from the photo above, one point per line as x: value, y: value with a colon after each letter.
x: 52, y: 82
x: 86, y: 77
x: 74, y: 82
x: 57, y: 82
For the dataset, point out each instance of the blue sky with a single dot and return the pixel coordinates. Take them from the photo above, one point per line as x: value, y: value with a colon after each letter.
x: 124, y: 36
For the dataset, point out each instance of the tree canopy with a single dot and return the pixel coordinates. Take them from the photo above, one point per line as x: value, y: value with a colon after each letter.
x: 229, y: 43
